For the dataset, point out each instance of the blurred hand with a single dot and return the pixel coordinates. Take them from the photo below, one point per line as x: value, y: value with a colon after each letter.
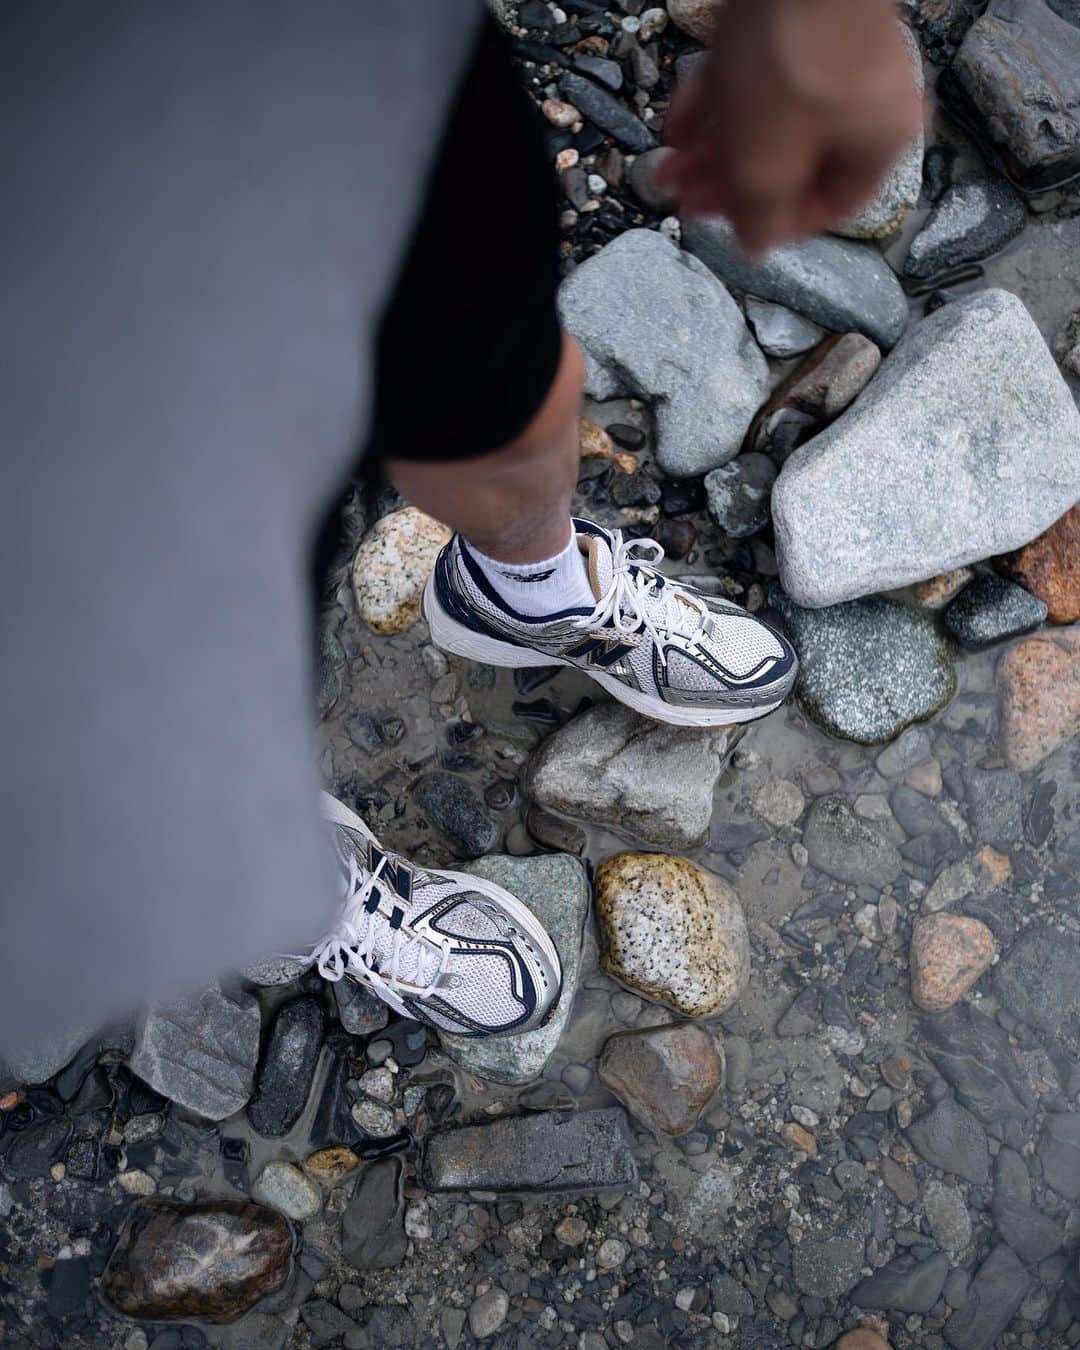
x: 793, y: 118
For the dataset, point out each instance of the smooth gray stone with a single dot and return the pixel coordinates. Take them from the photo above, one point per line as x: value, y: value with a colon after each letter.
x: 905, y: 1284
x: 1039, y: 979
x: 965, y: 444
x: 842, y: 284
x: 848, y: 848
x: 827, y: 1266
x: 655, y: 323
x: 558, y: 1151
x: 780, y: 331
x: 951, y: 1138
x: 992, y: 609
x: 1059, y: 1153
x: 738, y: 494
x: 606, y: 112
x: 975, y: 217
x: 373, y: 1225
x: 973, y: 1053
x: 555, y: 888
x: 201, y: 1053
x: 1032, y: 1235
x: 605, y: 72
x: 1000, y: 1285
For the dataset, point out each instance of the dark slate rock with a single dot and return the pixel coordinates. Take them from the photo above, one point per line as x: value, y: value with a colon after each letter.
x: 552, y: 1151
x: 605, y: 72
x: 1000, y: 1285
x: 730, y: 1297
x: 606, y: 112
x: 1039, y: 980
x: 69, y: 1284
x: 1059, y: 1153
x: 392, y: 1326
x: 974, y: 218
x: 452, y: 806
x: 738, y: 494
x: 918, y: 815
x: 992, y: 609
x: 995, y: 799
x: 937, y: 170
x: 848, y: 848
x: 905, y: 1284
x: 34, y: 1150
x: 201, y: 1052
x: 1012, y: 1181
x: 1069, y: 10
x: 1032, y: 1235
x: 334, y: 1123
x: 326, y: 1323
x: 287, y: 1067
x: 360, y: 1012
x: 373, y: 1225
x: 951, y: 1138
x: 827, y: 1266
x: 974, y: 1054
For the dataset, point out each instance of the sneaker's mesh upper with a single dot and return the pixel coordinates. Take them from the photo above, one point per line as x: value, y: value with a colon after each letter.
x: 466, y: 921
x: 740, y: 643
x: 682, y: 673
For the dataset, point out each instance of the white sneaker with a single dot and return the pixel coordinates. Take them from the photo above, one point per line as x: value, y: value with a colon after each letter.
x: 452, y: 950
x: 660, y: 647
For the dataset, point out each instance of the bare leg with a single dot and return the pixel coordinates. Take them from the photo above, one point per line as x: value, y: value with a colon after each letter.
x: 512, y: 504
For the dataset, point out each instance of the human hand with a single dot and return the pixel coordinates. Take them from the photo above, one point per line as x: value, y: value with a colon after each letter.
x: 793, y: 118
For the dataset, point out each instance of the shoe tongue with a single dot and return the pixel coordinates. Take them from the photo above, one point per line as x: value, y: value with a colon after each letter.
x: 597, y: 553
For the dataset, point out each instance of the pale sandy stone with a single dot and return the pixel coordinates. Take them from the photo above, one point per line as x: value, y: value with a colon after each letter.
x: 391, y: 567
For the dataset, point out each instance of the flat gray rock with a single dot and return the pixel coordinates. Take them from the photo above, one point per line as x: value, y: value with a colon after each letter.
x: 654, y: 782
x: 607, y: 112
x: 848, y: 848
x: 560, y: 1151
x: 974, y: 218
x: 842, y: 284
x: 869, y: 668
x: 275, y: 970
x: 951, y: 1138
x: 905, y: 1285
x: 201, y: 1053
x: 1039, y: 980
x: 1000, y: 1285
x: 966, y: 444
x: 780, y: 331
x: 555, y: 888
x: 655, y: 323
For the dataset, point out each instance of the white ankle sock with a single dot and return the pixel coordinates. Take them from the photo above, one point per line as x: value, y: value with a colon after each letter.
x: 544, y: 587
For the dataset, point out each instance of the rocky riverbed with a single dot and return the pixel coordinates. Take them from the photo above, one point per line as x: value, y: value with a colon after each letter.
x: 815, y: 1077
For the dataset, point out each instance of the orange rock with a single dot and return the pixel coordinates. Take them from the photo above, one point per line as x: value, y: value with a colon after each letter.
x: 862, y: 1338
x: 938, y: 591
x: 1039, y: 684
x: 595, y: 443
x: 995, y: 867
x: 796, y: 1137
x: 948, y: 954
x: 1049, y: 567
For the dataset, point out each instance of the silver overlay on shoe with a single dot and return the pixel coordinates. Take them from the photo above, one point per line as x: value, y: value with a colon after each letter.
x: 659, y: 646
x: 455, y: 951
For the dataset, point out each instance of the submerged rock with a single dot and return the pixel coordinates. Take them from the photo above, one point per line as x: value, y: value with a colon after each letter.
x: 839, y: 283
x: 868, y: 668
x: 214, y: 1259
x: 201, y: 1052
x: 949, y: 953
x: 1015, y: 83
x: 975, y: 217
x: 672, y: 932
x: 848, y: 848
x: 1000, y: 1285
x: 1039, y: 980
x: 560, y: 1151
x: 966, y: 444
x: 951, y: 1138
x: 1049, y: 567
x: 287, y: 1067
x: 1039, y: 684
x: 373, y: 1225
x: 990, y: 610
x: 1059, y: 1153
x: 391, y: 567
x: 285, y: 1188
x: 665, y: 1076
x: 905, y: 1284
x: 453, y: 807
x: 825, y: 1266
x: 556, y: 889
x: 653, y: 322
x: 610, y: 766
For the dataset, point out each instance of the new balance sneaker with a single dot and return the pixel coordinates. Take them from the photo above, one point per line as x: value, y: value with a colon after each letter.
x: 662, y: 647
x: 455, y: 951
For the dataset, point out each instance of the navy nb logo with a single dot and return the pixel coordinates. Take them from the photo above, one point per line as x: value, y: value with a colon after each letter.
x: 396, y: 874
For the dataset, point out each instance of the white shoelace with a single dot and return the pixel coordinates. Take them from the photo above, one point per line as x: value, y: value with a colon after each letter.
x: 640, y: 597
x: 350, y: 946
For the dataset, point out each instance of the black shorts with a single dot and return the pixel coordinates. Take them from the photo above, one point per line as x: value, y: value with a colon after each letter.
x: 469, y: 342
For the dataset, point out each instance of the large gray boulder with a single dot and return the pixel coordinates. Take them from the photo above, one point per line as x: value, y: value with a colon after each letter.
x: 842, y: 284
x: 965, y: 445
x: 655, y: 323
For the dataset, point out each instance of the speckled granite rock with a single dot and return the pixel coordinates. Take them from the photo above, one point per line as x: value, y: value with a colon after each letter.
x: 672, y: 932
x: 1039, y: 684
x: 201, y: 1052
x: 391, y: 566
x: 609, y: 766
x: 992, y: 609
x: 287, y: 1067
x: 555, y: 888
x: 276, y: 970
x: 868, y: 668
x: 655, y: 323
x: 965, y: 444
x: 213, y: 1259
x: 1067, y: 344
x: 665, y: 1076
x: 826, y: 1265
x: 841, y: 284
x: 285, y: 1188
x: 948, y: 955
x: 1049, y: 567
x: 975, y: 217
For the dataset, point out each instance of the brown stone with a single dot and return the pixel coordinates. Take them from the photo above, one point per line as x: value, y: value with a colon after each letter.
x: 938, y: 591
x: 862, y: 1338
x: 818, y: 390
x: 1039, y: 684
x: 798, y: 1138
x: 900, y: 1181
x: 595, y: 443
x: 330, y: 1165
x: 948, y: 954
x: 665, y: 1076
x: 694, y: 17
x: 213, y: 1259
x: 1049, y: 567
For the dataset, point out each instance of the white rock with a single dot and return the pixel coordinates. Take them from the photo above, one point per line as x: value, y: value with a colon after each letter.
x: 285, y: 1188
x: 391, y: 567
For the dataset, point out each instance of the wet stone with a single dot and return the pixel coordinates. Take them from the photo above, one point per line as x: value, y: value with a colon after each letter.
x: 35, y: 1149
x: 994, y: 800
x: 1059, y: 1153
x: 868, y: 668
x: 1032, y: 1235
x: 201, y: 1052
x: 991, y: 610
x: 951, y: 1138
x: 975, y: 217
x: 847, y: 848
x: 213, y: 1259
x: 453, y: 807
x: 1039, y: 684
x: 1049, y: 567
x: 360, y: 1012
x: 1000, y: 1285
x: 285, y: 1188
x: 905, y: 1284
x: 947, y: 1215
x: 664, y: 1076
x: 69, y: 1284
x: 949, y: 953
x: 287, y: 1067
x: 326, y: 1323
x: 373, y: 1225
x: 973, y: 1053
x: 548, y: 1151
x: 827, y: 1267
x: 738, y: 494
x: 673, y: 932
x: 1039, y: 980
x: 488, y: 1313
